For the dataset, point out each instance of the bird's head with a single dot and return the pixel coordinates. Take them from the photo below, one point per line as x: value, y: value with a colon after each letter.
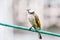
x: 30, y: 11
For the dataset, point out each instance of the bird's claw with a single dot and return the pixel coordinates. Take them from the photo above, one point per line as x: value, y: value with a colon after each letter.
x: 30, y: 28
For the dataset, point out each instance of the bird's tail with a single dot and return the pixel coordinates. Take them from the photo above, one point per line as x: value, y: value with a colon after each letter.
x: 40, y: 37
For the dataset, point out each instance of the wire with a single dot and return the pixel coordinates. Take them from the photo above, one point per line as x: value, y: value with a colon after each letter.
x: 27, y: 29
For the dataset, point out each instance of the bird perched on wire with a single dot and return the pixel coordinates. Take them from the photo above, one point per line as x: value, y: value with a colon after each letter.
x: 34, y: 21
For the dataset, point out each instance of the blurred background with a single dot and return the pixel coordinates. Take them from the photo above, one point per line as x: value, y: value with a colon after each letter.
x: 14, y: 12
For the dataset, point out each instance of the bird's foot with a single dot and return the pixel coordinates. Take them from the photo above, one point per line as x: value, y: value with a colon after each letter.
x: 30, y: 28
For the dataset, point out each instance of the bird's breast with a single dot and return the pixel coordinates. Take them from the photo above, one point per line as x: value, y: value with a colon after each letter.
x: 31, y: 17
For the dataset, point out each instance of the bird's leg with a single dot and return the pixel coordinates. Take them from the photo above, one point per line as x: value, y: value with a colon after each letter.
x: 30, y: 28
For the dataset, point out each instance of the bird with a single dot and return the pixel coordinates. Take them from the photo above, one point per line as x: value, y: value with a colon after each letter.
x: 34, y: 21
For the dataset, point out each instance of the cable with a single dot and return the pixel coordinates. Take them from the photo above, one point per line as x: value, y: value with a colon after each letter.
x: 27, y: 29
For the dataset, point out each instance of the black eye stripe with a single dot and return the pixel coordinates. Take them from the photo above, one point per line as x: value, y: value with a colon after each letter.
x: 31, y: 12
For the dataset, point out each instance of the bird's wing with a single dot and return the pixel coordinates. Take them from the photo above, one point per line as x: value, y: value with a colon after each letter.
x: 37, y: 21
